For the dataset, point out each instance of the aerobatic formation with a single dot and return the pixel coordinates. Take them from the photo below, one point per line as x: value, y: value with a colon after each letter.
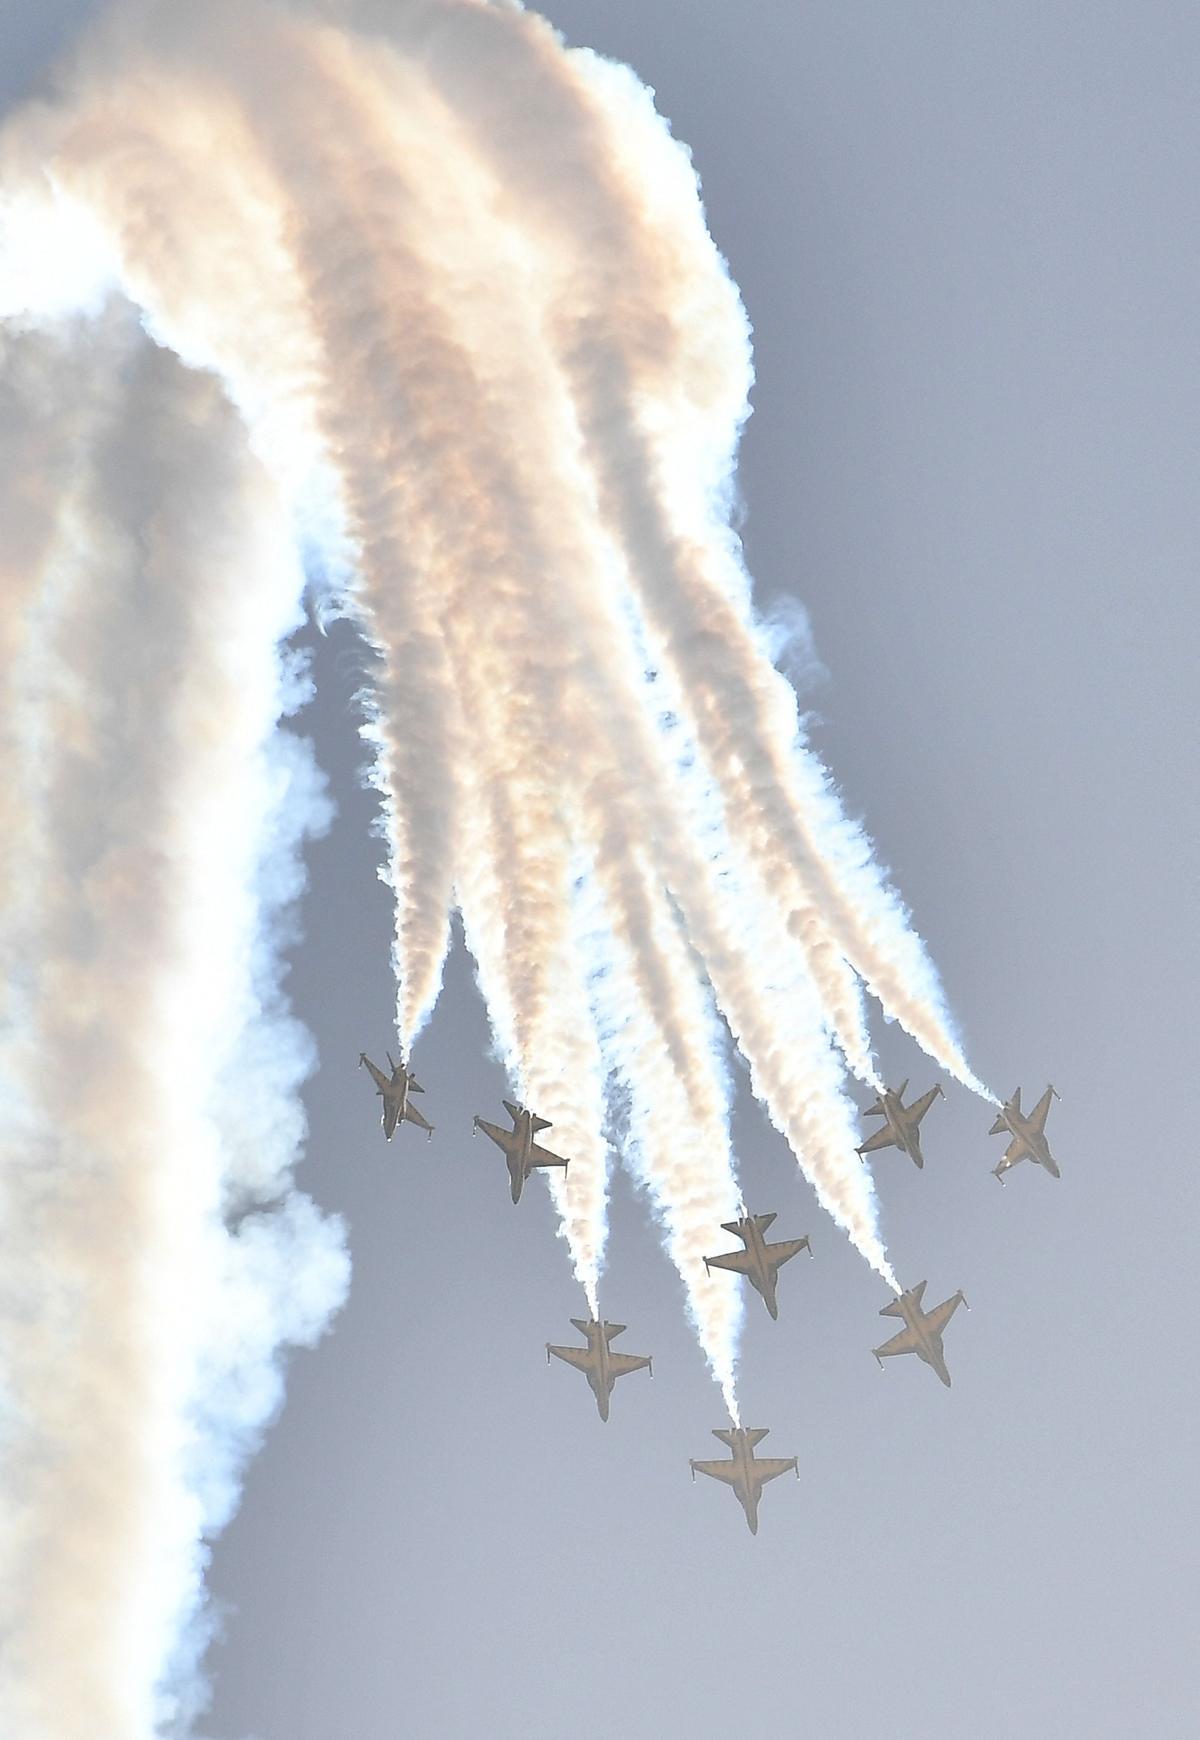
x: 415, y: 307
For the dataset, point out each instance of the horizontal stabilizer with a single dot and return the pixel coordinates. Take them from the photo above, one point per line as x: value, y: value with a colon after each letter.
x: 414, y: 1086
x: 996, y: 1129
x: 514, y: 1112
x: 583, y: 1324
x: 541, y: 1123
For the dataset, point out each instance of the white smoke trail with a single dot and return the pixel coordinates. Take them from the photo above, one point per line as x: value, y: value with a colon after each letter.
x: 459, y: 286
x: 655, y: 344
x: 678, y: 1154
x: 164, y: 819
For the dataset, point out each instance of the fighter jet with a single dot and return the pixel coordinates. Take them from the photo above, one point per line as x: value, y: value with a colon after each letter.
x: 395, y: 1091
x: 899, y: 1128
x: 600, y: 1365
x: 922, y: 1332
x: 759, y: 1262
x: 520, y: 1149
x: 746, y: 1472
x: 1028, y: 1132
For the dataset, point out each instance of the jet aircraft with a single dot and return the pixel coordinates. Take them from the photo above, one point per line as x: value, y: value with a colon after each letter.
x: 1028, y: 1132
x: 922, y: 1332
x: 520, y: 1149
x: 599, y: 1364
x: 759, y: 1262
x: 395, y: 1091
x: 746, y: 1472
x: 900, y: 1122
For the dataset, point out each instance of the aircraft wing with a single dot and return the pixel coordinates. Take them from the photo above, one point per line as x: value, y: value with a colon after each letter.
x: 726, y: 1471
x: 622, y: 1363
x: 881, y: 1139
x: 738, y: 1261
x: 391, y: 1117
x: 382, y: 1082
x: 919, y: 1107
x: 938, y: 1318
x: 416, y: 1117
x: 770, y: 1467
x: 505, y: 1139
x: 580, y: 1357
x: 539, y: 1156
x: 1018, y: 1149
x: 905, y: 1342
x: 784, y: 1250
x: 1038, y: 1115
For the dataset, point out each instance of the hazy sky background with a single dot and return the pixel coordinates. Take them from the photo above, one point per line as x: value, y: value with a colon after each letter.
x: 967, y: 238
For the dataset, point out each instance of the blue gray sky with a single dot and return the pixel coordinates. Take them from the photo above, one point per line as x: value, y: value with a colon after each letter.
x: 966, y: 239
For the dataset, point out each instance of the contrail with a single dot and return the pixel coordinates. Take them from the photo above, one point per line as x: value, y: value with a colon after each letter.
x: 141, y: 1326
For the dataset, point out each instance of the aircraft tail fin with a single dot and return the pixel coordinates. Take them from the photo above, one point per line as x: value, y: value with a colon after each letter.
x: 902, y: 1090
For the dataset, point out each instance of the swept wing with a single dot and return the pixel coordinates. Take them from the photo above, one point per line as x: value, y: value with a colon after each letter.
x: 539, y: 1156
x: 382, y: 1082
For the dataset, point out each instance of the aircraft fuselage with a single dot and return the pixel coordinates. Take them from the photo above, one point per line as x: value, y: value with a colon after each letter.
x: 928, y: 1347
x: 599, y: 1375
x: 903, y: 1131
x: 519, y: 1157
x: 762, y: 1276
x: 1035, y: 1140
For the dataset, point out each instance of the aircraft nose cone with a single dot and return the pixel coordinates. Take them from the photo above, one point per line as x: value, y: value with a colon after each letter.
x: 773, y: 1308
